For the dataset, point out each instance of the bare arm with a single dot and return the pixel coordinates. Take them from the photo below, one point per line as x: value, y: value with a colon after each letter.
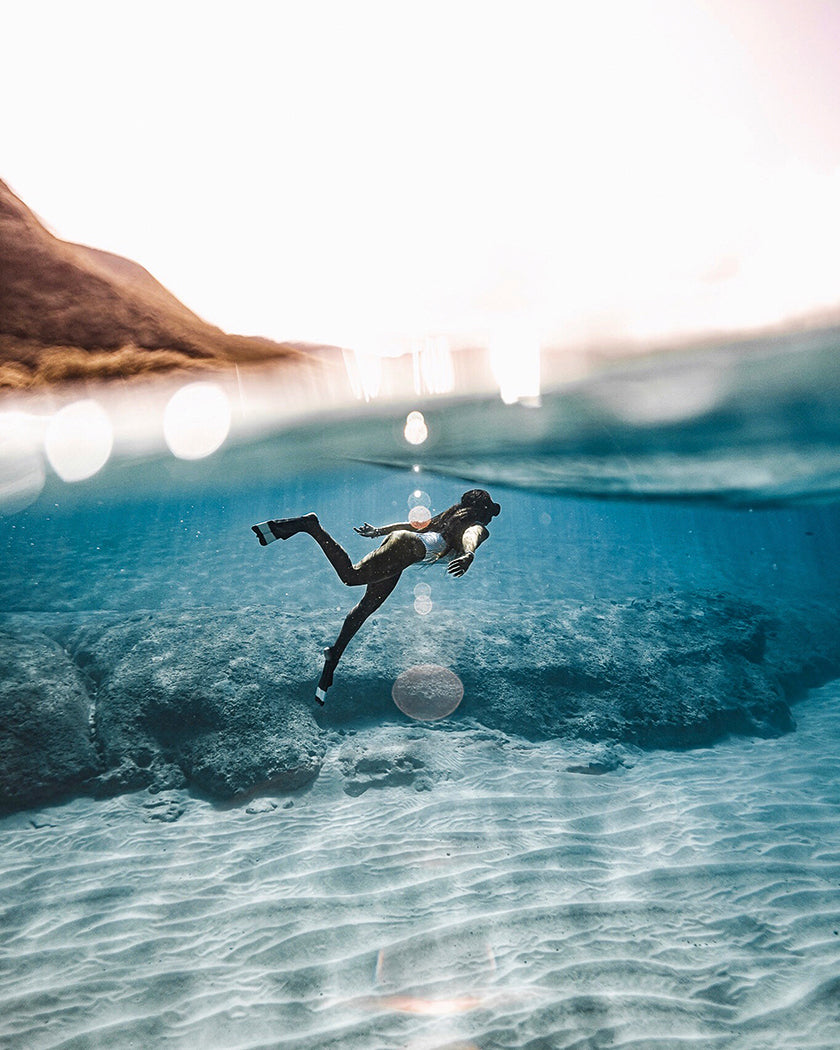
x: 384, y: 530
x: 471, y: 539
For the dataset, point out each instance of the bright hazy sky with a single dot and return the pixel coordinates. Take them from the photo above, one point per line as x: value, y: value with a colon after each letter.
x: 369, y: 172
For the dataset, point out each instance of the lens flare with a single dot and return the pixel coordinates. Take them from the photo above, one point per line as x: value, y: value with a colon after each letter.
x: 22, y: 474
x: 415, y: 430
x: 419, y: 517
x: 419, y: 498
x: 427, y: 692
x: 364, y: 371
x: 410, y: 983
x: 515, y: 361
x: 79, y: 440
x: 196, y: 420
x: 415, y: 1004
x: 423, y: 605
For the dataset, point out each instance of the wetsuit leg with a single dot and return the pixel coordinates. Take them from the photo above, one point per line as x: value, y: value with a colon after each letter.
x: 374, y: 596
x: 285, y: 528
x: 336, y: 554
x: 398, y: 551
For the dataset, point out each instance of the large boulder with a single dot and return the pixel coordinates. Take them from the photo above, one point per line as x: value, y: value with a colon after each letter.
x: 201, y: 697
x: 675, y: 671
x: 223, y: 701
x: 46, y: 749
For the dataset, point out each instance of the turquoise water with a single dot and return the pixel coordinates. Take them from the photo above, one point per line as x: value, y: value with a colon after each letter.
x: 196, y: 548
x: 454, y: 884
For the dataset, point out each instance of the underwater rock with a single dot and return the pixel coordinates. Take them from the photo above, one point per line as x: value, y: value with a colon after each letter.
x: 201, y: 698
x: 140, y: 771
x: 164, y: 809
x: 222, y: 702
x: 45, y: 740
x: 261, y: 805
x: 385, y: 764
x: 803, y: 647
x: 600, y: 760
x: 675, y: 671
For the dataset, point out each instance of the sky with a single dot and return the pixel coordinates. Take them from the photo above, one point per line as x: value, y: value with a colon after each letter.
x: 371, y: 174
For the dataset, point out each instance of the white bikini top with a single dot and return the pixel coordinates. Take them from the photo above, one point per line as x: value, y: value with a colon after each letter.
x: 436, y: 546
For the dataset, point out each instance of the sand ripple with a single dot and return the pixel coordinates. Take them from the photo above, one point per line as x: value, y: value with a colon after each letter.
x: 686, y: 901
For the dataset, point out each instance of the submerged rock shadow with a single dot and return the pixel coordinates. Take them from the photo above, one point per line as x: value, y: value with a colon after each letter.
x: 221, y: 701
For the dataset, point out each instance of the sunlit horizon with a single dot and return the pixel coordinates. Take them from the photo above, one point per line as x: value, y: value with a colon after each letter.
x: 372, y: 176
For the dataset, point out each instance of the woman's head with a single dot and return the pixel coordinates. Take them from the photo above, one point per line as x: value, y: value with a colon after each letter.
x: 474, y: 508
x: 479, y: 502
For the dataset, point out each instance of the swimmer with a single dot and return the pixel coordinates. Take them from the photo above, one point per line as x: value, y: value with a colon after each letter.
x: 453, y: 536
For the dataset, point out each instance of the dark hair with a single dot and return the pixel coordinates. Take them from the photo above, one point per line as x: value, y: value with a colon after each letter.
x: 481, y: 498
x: 475, y: 499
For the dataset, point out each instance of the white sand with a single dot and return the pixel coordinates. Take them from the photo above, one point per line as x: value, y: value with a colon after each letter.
x: 690, y: 900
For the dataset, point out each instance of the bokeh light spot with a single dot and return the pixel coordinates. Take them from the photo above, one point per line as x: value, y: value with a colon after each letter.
x: 427, y: 692
x: 419, y: 517
x: 22, y: 473
x: 515, y: 360
x: 78, y: 440
x: 423, y: 605
x: 197, y: 420
x: 419, y: 498
x: 422, y: 590
x: 415, y: 430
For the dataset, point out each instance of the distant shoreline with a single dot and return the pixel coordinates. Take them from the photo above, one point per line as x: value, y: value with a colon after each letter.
x: 71, y: 313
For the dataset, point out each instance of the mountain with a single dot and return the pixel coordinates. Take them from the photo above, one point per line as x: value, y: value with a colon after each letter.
x: 70, y: 312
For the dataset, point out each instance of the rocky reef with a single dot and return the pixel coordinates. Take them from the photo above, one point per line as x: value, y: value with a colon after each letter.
x: 221, y: 701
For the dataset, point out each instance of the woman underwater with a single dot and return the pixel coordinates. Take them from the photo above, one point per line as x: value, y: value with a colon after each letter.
x: 454, y: 535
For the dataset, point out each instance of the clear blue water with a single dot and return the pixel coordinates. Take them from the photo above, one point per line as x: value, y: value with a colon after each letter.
x: 196, y: 548
x: 686, y: 899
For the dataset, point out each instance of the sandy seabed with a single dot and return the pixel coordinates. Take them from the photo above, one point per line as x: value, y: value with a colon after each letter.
x: 684, y: 899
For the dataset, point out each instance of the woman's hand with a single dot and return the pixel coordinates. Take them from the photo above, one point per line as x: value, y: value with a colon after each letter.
x: 366, y: 530
x: 458, y: 566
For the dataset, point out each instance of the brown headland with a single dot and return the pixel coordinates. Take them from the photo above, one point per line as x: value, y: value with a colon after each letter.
x: 69, y: 313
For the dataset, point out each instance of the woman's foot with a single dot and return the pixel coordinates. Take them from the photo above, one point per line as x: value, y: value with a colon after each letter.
x: 326, y: 679
x: 263, y: 533
x: 282, y: 528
